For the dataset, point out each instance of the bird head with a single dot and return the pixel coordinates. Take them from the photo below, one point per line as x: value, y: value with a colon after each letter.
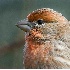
x: 43, y: 25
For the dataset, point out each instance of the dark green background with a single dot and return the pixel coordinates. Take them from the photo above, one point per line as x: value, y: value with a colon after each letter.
x: 11, y: 11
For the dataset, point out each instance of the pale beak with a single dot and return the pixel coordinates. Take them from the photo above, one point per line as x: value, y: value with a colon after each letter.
x: 24, y: 25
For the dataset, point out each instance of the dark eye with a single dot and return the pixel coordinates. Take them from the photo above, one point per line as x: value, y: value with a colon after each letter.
x: 40, y: 22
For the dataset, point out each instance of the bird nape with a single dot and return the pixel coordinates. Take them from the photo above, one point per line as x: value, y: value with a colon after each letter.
x: 47, y: 40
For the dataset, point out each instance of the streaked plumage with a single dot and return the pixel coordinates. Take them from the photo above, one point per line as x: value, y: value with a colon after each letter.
x: 47, y: 40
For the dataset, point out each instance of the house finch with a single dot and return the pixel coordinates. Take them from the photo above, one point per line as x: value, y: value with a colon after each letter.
x: 47, y: 37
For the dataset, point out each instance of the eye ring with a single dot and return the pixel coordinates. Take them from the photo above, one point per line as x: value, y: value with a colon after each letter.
x: 40, y: 22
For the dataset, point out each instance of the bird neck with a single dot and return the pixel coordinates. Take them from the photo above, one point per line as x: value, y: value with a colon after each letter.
x: 33, y: 45
x: 36, y: 53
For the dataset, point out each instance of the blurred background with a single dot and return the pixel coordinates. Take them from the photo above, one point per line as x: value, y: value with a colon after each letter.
x: 11, y: 37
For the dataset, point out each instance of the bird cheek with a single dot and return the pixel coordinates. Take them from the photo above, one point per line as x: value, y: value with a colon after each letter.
x: 39, y: 35
x: 36, y: 33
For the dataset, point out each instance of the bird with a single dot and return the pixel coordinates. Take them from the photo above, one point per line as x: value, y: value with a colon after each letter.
x: 47, y: 40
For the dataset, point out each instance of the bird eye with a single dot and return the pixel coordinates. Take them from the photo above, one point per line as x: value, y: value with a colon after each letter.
x: 40, y: 22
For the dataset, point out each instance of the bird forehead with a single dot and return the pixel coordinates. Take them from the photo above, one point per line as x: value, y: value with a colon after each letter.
x: 47, y: 14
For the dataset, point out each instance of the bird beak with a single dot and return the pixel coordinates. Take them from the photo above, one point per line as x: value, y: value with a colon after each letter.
x: 24, y: 25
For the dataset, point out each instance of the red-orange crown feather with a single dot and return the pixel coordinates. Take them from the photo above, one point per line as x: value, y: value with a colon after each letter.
x: 48, y: 15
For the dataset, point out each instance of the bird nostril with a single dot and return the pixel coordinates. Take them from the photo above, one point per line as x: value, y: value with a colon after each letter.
x: 40, y: 22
